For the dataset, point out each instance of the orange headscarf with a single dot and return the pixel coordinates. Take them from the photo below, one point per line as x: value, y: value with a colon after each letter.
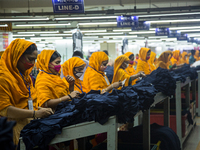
x: 119, y: 73
x: 48, y: 85
x: 94, y: 79
x: 196, y: 56
x: 68, y: 69
x: 130, y: 70
x: 151, y: 61
x: 183, y: 59
x: 188, y: 58
x: 13, y: 91
x: 143, y: 64
x: 163, y: 60
x: 176, y: 57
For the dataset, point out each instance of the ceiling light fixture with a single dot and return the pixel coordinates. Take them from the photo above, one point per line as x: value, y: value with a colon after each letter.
x: 39, y: 32
x: 55, y: 34
x: 125, y: 36
x: 23, y: 35
x: 103, y: 33
x: 87, y: 18
x: 164, y: 21
x: 147, y: 32
x: 23, y: 19
x: 98, y: 23
x: 189, y: 30
x: 3, y: 25
x: 122, y: 30
x: 49, y: 38
x: 86, y: 31
x: 36, y: 25
x: 174, y: 14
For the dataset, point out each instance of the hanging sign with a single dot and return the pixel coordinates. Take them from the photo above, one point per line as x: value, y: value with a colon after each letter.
x: 162, y: 31
x: 142, y: 25
x: 77, y: 37
x: 127, y: 21
x: 183, y: 37
x: 192, y: 40
x: 174, y: 34
x: 68, y: 6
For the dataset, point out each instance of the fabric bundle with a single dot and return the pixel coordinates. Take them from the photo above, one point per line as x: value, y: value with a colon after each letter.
x: 123, y: 103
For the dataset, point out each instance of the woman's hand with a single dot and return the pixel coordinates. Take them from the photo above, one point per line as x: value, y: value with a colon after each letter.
x: 75, y: 94
x: 43, y: 112
x: 141, y: 74
x: 70, y: 79
x: 117, y: 84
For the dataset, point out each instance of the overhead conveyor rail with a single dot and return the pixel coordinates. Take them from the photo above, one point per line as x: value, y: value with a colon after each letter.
x: 91, y: 128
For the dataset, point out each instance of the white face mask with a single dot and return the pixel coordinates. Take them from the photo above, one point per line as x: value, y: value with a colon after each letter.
x: 79, y: 74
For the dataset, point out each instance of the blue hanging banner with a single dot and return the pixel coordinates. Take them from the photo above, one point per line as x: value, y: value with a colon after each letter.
x: 127, y: 21
x: 183, y: 37
x: 174, y: 34
x: 192, y: 40
x: 68, y: 6
x: 143, y: 25
x: 162, y: 31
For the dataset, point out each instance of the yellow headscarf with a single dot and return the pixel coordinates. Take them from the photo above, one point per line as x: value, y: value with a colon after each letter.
x: 183, y: 59
x: 119, y: 73
x: 163, y: 60
x: 188, y: 58
x: 196, y: 56
x: 151, y: 61
x: 143, y: 64
x: 13, y: 90
x: 48, y: 85
x: 68, y: 69
x: 94, y: 79
x: 176, y: 57
x: 130, y: 70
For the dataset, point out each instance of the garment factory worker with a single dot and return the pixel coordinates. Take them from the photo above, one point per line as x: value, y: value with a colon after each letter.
x: 95, y: 78
x: 196, y: 56
x: 121, y: 63
x: 163, y: 60
x: 192, y: 57
x: 80, y: 55
x: 143, y: 64
x: 184, y: 58
x: 74, y: 67
x: 152, y: 60
x: 176, y: 57
x: 17, y: 94
x: 136, y: 58
x: 51, y: 89
x: 188, y: 57
x: 130, y: 70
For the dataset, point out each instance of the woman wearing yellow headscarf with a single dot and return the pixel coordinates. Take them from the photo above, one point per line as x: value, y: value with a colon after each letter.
x: 51, y: 89
x: 121, y: 63
x: 196, y: 56
x: 74, y: 67
x: 188, y: 58
x: 176, y: 57
x: 163, y: 60
x: 152, y: 60
x: 183, y: 58
x: 130, y: 70
x: 16, y: 88
x: 95, y: 78
x: 143, y: 64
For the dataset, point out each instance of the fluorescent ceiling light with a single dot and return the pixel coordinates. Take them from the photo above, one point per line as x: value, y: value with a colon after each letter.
x: 39, y: 32
x: 3, y: 25
x: 189, y: 30
x: 147, y: 32
x: 122, y: 30
x: 36, y: 25
x: 24, y: 35
x: 53, y: 38
x: 85, y: 31
x: 179, y: 28
x: 23, y: 19
x: 87, y: 18
x: 103, y: 33
x: 169, y: 39
x: 174, y: 14
x: 194, y: 35
x: 125, y: 36
x: 55, y: 34
x: 90, y: 37
x: 154, y: 37
x: 184, y: 20
x: 97, y: 23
